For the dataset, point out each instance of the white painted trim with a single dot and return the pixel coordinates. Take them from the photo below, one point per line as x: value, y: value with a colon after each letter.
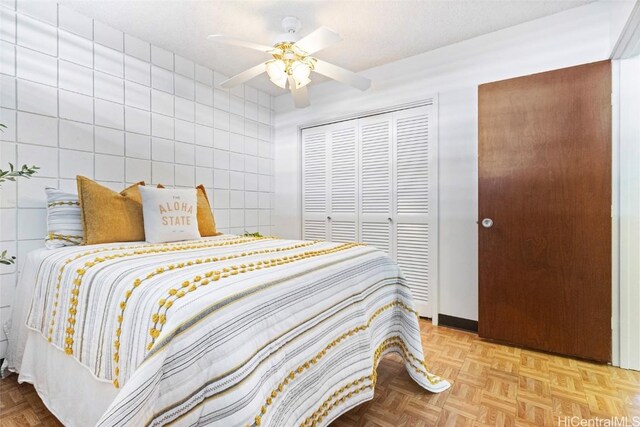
x: 431, y: 100
x: 629, y: 190
x: 615, y: 213
x: 436, y: 264
x: 300, y: 177
x: 628, y: 44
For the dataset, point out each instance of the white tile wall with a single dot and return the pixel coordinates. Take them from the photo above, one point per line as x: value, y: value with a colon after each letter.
x: 80, y: 97
x: 75, y: 49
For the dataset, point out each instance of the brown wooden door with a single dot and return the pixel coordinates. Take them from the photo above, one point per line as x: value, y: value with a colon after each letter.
x: 545, y: 181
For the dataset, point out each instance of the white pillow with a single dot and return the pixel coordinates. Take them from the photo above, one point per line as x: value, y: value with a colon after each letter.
x: 169, y: 214
x: 64, y: 221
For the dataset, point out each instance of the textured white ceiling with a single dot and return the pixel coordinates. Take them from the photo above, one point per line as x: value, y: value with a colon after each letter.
x: 374, y: 32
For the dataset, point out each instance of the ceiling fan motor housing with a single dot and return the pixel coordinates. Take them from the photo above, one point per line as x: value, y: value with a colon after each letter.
x: 291, y: 25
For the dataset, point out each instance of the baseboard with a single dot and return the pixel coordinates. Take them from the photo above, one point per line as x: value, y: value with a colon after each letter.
x: 457, y: 322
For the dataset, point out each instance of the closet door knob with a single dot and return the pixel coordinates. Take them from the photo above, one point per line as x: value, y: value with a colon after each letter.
x: 390, y: 219
x: 329, y: 218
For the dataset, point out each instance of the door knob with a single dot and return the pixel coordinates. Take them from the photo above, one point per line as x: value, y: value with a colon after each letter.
x: 487, y: 223
x: 329, y: 218
x: 390, y: 219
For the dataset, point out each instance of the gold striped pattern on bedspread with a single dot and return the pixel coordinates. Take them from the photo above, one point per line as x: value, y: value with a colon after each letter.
x: 231, y: 330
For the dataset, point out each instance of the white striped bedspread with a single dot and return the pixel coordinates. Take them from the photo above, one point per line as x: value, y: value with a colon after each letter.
x: 230, y: 330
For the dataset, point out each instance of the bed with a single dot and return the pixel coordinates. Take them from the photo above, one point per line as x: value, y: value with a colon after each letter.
x: 228, y: 330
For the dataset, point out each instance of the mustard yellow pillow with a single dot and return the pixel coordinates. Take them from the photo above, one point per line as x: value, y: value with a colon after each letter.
x: 108, y: 216
x: 206, y: 221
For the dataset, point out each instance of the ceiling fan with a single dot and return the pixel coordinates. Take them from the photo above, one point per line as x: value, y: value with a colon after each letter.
x: 292, y: 63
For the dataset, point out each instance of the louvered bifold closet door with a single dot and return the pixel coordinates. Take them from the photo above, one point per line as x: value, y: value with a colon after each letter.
x: 314, y: 184
x: 343, y: 206
x: 375, y: 181
x: 415, y: 182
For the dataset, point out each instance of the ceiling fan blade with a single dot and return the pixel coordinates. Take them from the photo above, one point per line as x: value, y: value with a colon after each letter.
x: 300, y: 95
x: 318, y: 40
x: 342, y: 75
x: 244, y: 76
x: 238, y: 42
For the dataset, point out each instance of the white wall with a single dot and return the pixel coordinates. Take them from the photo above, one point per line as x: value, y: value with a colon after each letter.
x: 576, y: 36
x: 79, y: 97
x: 629, y: 196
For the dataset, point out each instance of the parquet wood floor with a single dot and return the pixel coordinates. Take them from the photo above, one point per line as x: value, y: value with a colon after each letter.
x: 493, y: 385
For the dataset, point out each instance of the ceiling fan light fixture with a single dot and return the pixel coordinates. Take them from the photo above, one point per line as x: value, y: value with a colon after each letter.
x: 276, y: 70
x: 280, y: 81
x: 300, y: 70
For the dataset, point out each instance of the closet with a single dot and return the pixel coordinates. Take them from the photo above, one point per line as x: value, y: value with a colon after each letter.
x: 374, y: 180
